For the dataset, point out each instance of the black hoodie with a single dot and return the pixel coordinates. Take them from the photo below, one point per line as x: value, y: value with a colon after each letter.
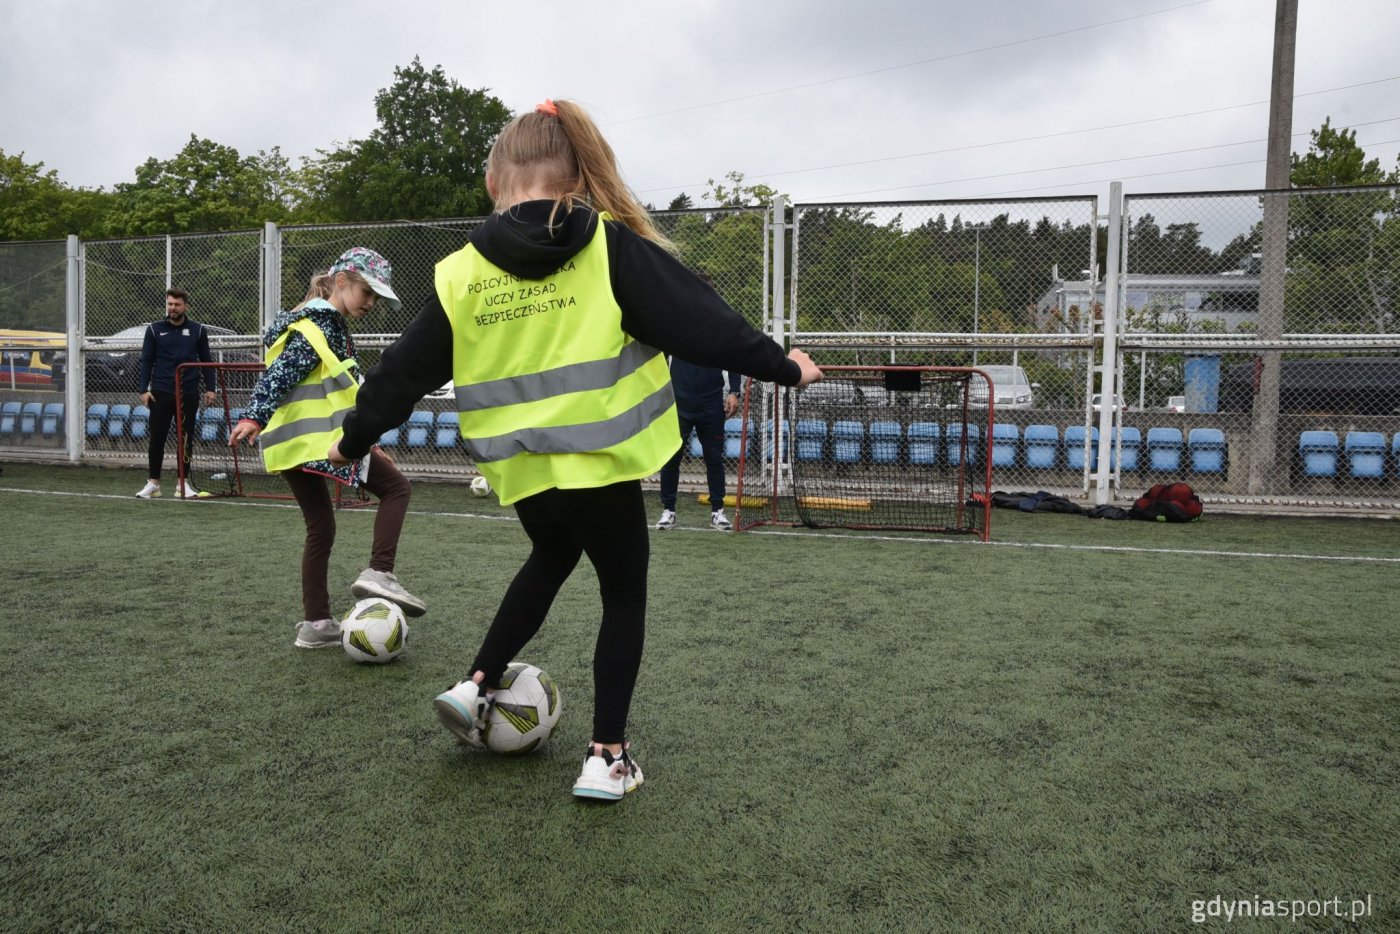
x: 663, y: 305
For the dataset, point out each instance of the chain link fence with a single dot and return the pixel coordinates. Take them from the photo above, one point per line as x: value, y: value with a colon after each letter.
x: 1293, y: 399
x: 1259, y: 381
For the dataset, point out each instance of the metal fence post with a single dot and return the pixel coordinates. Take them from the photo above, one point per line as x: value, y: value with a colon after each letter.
x: 271, y: 299
x: 73, y: 376
x: 1108, y: 369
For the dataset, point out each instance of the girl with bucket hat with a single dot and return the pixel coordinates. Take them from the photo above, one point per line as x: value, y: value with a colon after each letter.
x: 295, y: 413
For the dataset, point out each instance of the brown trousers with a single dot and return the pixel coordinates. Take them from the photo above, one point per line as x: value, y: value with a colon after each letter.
x: 314, y: 497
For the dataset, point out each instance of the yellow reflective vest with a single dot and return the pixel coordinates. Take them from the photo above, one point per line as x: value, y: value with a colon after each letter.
x: 551, y: 392
x: 308, y: 421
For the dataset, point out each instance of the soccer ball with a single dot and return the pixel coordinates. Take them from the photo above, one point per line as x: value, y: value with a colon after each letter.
x: 481, y: 486
x: 375, y: 631
x: 525, y: 711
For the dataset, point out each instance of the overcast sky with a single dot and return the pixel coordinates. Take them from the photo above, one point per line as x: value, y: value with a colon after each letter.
x: 882, y: 100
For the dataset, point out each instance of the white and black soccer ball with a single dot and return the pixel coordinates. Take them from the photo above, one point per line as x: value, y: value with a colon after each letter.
x: 481, y: 486
x: 375, y: 631
x: 524, y: 711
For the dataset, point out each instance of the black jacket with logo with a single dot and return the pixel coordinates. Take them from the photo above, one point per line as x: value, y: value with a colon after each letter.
x: 166, y: 346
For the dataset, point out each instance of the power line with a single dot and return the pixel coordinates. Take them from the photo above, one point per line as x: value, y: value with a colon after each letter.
x: 1080, y: 165
x: 927, y: 61
x: 1032, y: 139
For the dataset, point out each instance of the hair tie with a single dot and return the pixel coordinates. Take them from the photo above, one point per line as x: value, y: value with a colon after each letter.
x: 547, y: 108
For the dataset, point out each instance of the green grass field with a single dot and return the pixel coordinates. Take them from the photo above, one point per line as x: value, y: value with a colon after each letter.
x: 1083, y: 725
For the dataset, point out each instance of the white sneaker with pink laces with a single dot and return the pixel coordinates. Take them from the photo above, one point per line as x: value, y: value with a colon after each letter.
x: 605, y: 777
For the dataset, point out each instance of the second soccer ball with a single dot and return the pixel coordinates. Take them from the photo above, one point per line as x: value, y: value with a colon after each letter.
x: 481, y: 486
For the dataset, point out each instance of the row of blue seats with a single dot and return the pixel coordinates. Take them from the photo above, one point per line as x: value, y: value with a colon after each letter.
x: 31, y: 418
x: 1321, y: 454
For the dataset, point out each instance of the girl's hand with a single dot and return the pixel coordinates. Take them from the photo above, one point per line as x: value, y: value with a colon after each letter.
x: 246, y: 429
x: 334, y: 456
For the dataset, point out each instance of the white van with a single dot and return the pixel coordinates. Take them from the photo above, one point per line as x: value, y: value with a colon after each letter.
x: 1013, y: 389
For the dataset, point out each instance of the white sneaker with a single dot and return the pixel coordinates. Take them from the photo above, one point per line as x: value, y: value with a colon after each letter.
x: 372, y: 583
x: 606, y: 778
x: 190, y: 492
x: 718, y: 521
x: 150, y: 490
x: 462, y: 708
x: 667, y: 520
x: 317, y: 634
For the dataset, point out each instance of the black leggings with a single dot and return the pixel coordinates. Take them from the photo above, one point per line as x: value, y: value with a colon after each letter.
x: 608, y: 524
x: 162, y: 417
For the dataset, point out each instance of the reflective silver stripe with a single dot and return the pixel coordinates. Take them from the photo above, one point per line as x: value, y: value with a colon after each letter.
x: 303, y: 426
x: 575, y: 439
x: 575, y: 377
x: 302, y: 392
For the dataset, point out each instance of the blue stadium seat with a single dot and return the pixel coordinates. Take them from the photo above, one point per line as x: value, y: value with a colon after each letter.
x: 9, y: 418
x: 923, y: 442
x: 1365, y: 454
x: 1207, y: 450
x: 953, y: 444
x: 389, y: 438
x: 1005, y: 439
x: 419, y: 425
x: 96, y: 422
x: 211, y: 424
x: 1042, y: 446
x: 447, y: 434
x: 884, y: 442
x: 140, y: 422
x: 1074, y: 448
x: 51, y: 424
x: 1164, y: 449
x: 1130, y: 442
x: 117, y: 417
x: 1318, y: 450
x: 811, y: 439
x: 29, y: 415
x: 847, y: 440
x: 733, y: 437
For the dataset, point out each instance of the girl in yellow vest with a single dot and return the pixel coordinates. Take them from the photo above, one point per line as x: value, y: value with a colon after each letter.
x: 296, y: 410
x: 552, y: 323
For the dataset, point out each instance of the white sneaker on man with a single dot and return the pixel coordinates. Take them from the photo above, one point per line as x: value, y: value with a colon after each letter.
x: 718, y: 520
x: 667, y: 520
x: 190, y: 492
x: 150, y: 490
x: 605, y: 777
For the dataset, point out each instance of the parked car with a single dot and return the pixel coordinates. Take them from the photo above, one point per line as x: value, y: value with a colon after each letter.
x: 1013, y: 389
x: 1096, y: 403
x: 1176, y: 403
x: 116, y: 370
x: 31, y: 360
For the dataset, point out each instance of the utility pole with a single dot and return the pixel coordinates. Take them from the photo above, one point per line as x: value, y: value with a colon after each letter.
x: 976, y: 279
x: 1263, y: 453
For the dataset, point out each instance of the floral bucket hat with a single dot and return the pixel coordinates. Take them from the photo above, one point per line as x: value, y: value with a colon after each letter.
x: 373, y: 267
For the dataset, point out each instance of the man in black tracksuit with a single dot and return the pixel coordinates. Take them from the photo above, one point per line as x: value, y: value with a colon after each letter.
x: 702, y: 406
x: 168, y: 343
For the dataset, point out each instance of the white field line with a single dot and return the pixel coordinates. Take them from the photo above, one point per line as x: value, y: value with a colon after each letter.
x: 845, y: 536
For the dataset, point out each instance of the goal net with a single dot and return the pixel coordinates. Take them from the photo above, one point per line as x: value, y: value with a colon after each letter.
x: 216, y: 468
x: 870, y: 447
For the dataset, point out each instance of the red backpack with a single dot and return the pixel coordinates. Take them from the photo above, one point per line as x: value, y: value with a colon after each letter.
x: 1168, y: 502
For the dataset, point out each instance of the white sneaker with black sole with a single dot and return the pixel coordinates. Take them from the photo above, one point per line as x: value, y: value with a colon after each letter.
x: 667, y: 520
x: 718, y: 521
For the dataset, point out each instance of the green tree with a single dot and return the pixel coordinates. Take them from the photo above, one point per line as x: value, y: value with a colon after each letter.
x: 736, y: 194
x: 426, y: 159
x: 206, y: 186
x: 37, y: 205
x: 1344, y: 247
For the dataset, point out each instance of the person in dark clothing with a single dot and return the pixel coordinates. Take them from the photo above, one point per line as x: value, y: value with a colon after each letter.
x: 551, y: 323
x: 702, y: 405
x: 168, y: 343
